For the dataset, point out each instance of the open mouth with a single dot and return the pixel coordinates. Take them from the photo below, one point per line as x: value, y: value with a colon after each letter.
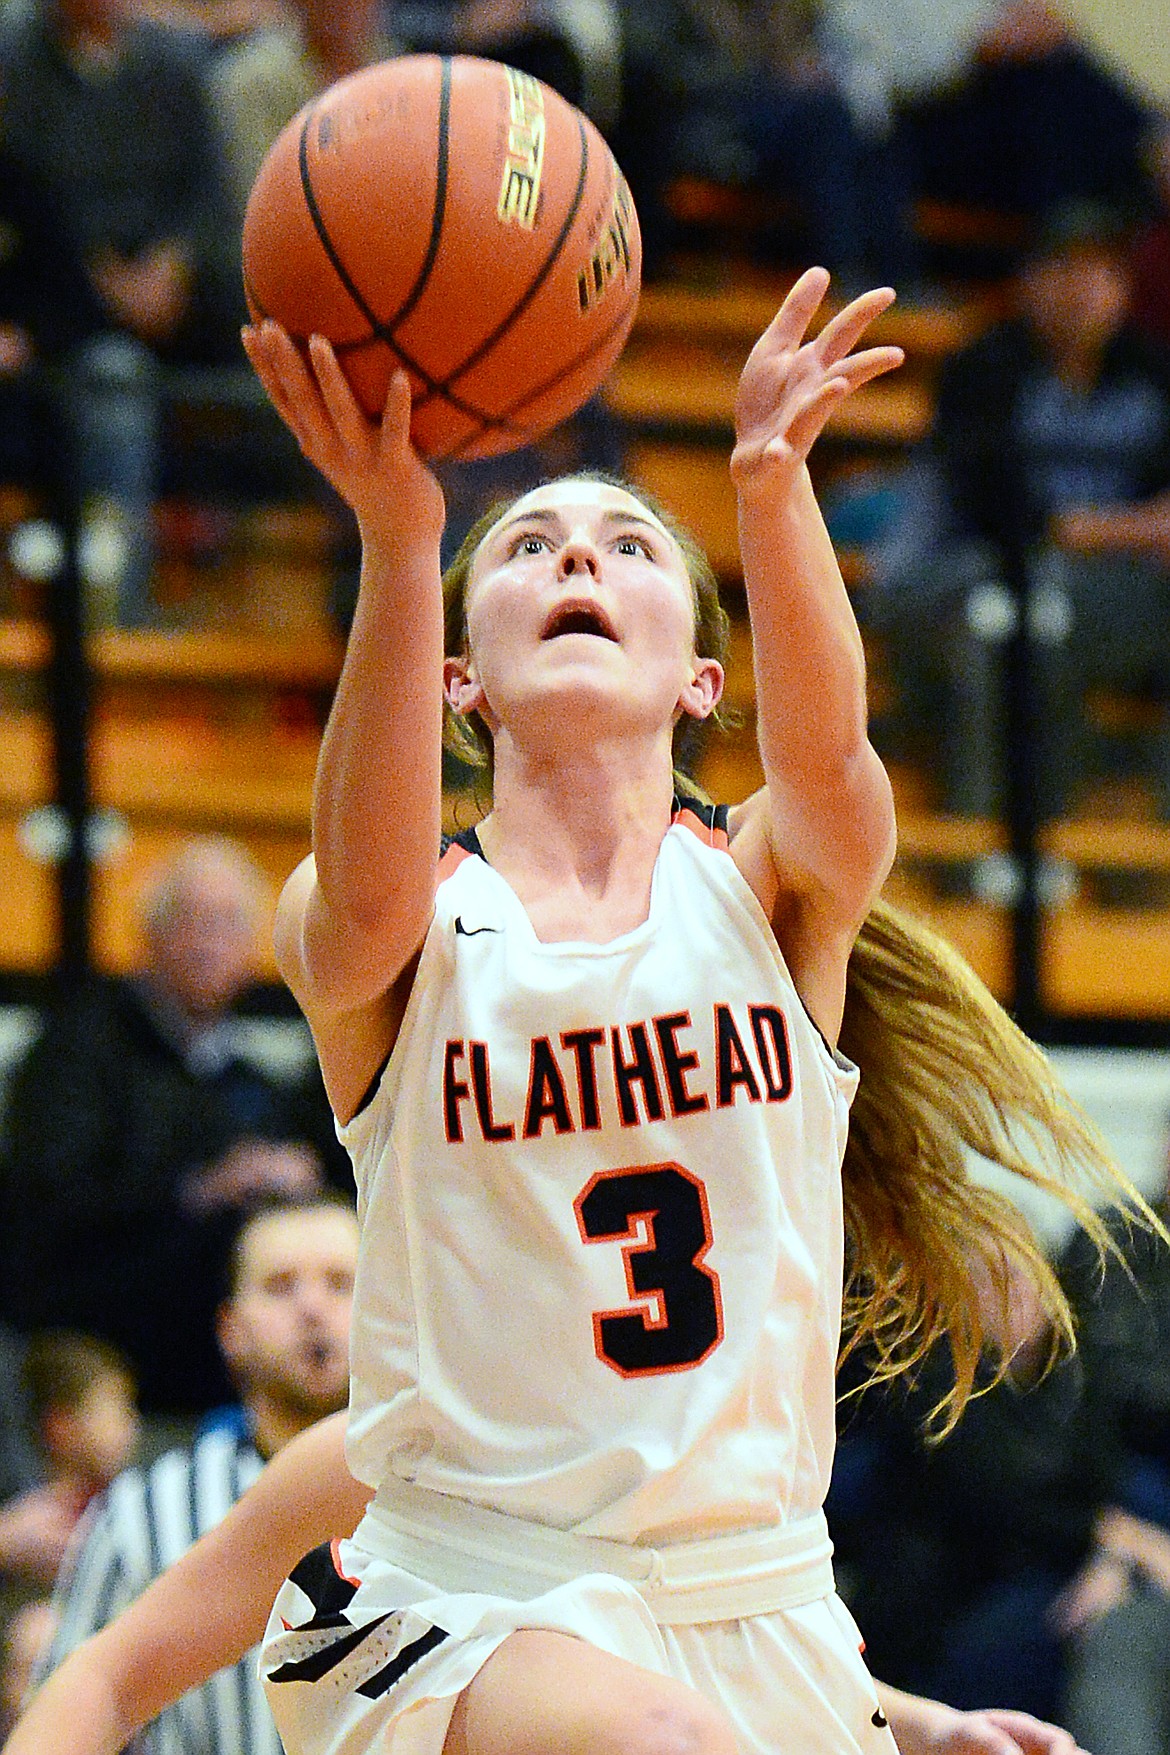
x: 578, y: 618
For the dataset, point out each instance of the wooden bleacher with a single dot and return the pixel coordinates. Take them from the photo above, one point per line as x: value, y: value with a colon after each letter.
x: 191, y: 733
x: 674, y: 388
x: 216, y: 728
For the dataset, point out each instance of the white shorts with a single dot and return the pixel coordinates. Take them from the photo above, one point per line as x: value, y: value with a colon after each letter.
x: 363, y: 1654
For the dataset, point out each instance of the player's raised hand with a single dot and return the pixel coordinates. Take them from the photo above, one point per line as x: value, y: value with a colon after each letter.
x: 790, y: 385
x: 372, y: 464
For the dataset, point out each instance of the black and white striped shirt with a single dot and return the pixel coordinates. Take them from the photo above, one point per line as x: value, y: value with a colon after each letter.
x: 137, y: 1529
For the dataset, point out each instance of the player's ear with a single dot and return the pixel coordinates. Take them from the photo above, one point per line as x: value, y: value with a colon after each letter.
x: 702, y: 691
x: 462, y: 689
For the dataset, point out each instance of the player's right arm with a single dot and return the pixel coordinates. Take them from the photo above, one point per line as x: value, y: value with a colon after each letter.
x: 353, y: 917
x: 202, y: 1614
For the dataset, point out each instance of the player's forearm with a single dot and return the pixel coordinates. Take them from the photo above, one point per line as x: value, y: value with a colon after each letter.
x: 205, y: 1611
x: 376, y: 811
x: 911, y: 1719
x: 76, y: 1712
x: 829, y: 795
x: 809, y: 660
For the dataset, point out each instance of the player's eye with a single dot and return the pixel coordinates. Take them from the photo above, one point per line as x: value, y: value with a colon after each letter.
x: 530, y: 543
x: 635, y: 545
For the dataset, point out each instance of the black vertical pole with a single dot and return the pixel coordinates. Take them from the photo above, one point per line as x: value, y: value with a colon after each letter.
x: 1023, y: 792
x: 69, y: 703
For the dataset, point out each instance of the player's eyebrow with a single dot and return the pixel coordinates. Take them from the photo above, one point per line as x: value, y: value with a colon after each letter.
x: 549, y: 516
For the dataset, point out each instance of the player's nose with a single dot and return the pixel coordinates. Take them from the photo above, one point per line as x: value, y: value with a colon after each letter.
x: 579, y: 557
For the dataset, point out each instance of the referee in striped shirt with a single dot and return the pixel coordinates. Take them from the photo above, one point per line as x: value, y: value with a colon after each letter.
x: 284, y: 1332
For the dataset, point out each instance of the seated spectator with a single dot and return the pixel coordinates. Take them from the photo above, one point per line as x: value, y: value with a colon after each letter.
x: 111, y: 112
x: 960, y: 1557
x: 259, y: 83
x: 46, y: 308
x: 1047, y: 476
x: 1118, y: 1697
x: 573, y: 45
x: 137, y: 1131
x: 284, y: 1331
x: 80, y: 1397
x: 769, y: 103
x: 997, y: 104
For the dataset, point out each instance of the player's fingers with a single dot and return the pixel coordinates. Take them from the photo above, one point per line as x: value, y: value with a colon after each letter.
x: 842, y: 332
x: 786, y: 330
x: 1032, y: 1736
x: 860, y: 368
x: 350, y: 422
x: 808, y: 419
x: 396, y: 414
x: 282, y: 370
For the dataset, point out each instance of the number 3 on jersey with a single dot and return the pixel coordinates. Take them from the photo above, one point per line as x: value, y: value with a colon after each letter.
x: 659, y: 1212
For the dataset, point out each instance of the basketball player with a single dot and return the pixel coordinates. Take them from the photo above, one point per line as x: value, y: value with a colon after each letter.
x: 590, y: 1087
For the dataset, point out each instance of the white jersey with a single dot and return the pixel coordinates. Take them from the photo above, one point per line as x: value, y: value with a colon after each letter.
x: 599, y: 1185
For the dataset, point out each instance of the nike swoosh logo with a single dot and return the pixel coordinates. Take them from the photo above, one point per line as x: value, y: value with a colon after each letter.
x: 470, y: 932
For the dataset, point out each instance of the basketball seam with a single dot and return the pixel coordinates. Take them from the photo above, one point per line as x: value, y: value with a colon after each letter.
x: 382, y: 332
x: 485, y: 347
x: 439, y: 213
x: 505, y: 418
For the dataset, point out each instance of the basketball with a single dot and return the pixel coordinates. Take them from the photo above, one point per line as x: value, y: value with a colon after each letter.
x: 458, y: 218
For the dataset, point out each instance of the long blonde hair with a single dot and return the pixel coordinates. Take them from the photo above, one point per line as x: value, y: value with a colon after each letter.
x: 947, y: 1078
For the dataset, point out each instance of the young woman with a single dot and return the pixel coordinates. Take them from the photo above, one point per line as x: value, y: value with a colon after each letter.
x: 590, y: 1083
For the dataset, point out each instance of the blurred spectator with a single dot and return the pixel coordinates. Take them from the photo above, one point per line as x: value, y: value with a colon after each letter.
x: 996, y: 103
x: 259, y: 83
x: 46, y: 307
x: 284, y: 1330
x: 112, y: 113
x: 137, y: 1130
x: 1119, y: 1683
x: 1048, y: 467
x: 960, y: 1558
x: 573, y: 45
x: 1150, y: 263
x: 80, y: 1397
x: 769, y: 102
x: 24, y: 1641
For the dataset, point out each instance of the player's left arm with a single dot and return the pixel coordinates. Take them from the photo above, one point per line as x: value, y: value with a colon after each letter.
x: 816, y: 843
x: 204, y: 1612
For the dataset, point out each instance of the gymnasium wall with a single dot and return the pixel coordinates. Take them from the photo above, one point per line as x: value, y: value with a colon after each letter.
x: 1133, y: 34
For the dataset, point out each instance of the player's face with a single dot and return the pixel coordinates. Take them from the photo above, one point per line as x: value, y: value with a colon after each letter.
x: 579, y: 600
x: 285, y: 1332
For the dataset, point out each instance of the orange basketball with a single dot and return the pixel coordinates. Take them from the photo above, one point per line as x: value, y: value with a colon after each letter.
x: 459, y: 218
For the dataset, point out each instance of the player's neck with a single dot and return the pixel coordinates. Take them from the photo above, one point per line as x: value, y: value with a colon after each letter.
x: 578, y: 843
